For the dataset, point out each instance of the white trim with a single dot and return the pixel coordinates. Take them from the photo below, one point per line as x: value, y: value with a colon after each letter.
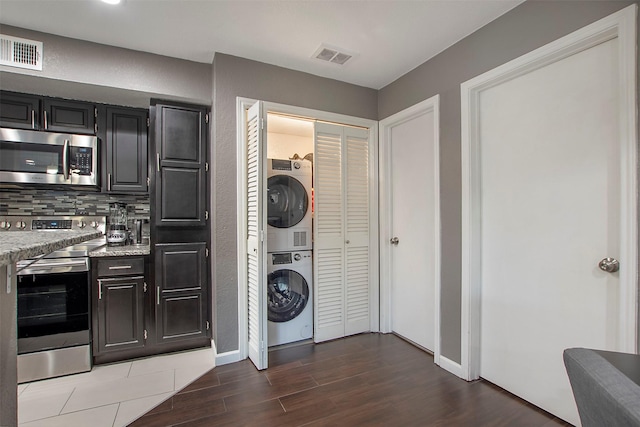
x: 450, y: 366
x: 228, y: 357
x: 269, y: 107
x: 430, y: 105
x: 242, y: 105
x: 622, y: 25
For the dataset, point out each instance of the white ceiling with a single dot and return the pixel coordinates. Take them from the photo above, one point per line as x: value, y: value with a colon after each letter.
x: 390, y: 37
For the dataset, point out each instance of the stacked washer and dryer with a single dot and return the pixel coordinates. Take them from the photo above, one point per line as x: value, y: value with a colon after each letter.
x: 289, y: 251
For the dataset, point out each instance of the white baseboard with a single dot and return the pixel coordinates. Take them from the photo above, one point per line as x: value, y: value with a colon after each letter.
x: 451, y: 366
x: 228, y: 357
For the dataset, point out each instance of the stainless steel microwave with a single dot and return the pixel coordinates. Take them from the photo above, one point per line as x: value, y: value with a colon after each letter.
x: 32, y: 157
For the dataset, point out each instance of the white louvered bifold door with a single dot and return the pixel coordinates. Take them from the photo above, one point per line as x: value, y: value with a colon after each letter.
x: 356, y: 144
x: 341, y: 231
x: 256, y: 223
x: 328, y: 243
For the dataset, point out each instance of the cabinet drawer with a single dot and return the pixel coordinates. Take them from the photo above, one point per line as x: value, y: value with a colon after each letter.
x: 120, y: 266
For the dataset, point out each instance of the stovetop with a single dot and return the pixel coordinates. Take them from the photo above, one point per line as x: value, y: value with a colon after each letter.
x: 20, y: 223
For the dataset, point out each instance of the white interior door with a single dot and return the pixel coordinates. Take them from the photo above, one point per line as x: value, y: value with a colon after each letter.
x: 553, y: 192
x: 410, y: 141
x: 256, y: 246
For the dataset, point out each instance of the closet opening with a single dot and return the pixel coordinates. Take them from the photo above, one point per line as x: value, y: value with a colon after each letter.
x: 307, y: 229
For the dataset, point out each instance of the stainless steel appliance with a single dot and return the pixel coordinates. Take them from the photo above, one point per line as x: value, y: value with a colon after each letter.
x: 54, y: 291
x: 117, y: 233
x: 31, y: 157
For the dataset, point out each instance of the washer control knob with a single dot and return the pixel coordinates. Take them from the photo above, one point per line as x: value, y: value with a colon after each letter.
x: 5, y: 225
x: 297, y: 257
x: 82, y: 224
x: 21, y: 225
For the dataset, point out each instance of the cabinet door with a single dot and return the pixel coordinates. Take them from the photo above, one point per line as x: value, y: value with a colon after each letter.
x: 180, y: 169
x: 120, y: 313
x: 181, y: 291
x: 19, y: 111
x: 126, y: 139
x: 69, y: 116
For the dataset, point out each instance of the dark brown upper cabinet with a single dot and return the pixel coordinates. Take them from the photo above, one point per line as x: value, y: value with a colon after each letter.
x: 34, y: 112
x: 126, y: 150
x: 69, y: 116
x: 19, y: 111
x: 180, y: 165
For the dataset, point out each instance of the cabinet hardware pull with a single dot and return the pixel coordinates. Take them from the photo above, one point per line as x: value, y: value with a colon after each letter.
x: 158, y: 296
x: 158, y: 161
x: 120, y: 267
x: 99, y: 289
x: 109, y: 182
x: 45, y: 120
x: 33, y: 119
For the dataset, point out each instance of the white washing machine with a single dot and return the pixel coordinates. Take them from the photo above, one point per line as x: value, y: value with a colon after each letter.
x: 289, y: 216
x: 289, y: 297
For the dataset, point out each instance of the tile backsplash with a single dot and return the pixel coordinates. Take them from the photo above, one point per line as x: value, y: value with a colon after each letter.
x: 47, y: 202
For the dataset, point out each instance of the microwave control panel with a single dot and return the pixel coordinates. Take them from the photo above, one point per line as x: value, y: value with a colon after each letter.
x: 81, y: 160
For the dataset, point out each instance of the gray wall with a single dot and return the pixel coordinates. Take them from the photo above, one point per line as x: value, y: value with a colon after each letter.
x: 83, y: 70
x: 525, y: 28
x: 238, y: 77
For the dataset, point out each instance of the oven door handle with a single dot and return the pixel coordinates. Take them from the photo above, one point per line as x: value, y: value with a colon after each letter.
x: 40, y: 267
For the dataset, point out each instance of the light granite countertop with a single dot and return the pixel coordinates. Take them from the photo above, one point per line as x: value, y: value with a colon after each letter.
x: 18, y: 245
x: 127, y: 250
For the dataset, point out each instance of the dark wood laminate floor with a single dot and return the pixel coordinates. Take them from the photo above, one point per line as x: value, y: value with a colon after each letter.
x: 369, y: 379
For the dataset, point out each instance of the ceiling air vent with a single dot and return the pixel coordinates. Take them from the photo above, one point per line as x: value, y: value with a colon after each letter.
x: 333, y: 55
x: 21, y: 53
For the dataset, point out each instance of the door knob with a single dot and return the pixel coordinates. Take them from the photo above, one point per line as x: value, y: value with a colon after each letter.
x: 610, y: 265
x: 395, y: 241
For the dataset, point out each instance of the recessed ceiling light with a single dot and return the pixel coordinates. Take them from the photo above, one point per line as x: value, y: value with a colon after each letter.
x: 111, y: 1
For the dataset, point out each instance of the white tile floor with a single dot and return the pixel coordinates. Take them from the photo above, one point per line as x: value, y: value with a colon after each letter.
x: 110, y: 395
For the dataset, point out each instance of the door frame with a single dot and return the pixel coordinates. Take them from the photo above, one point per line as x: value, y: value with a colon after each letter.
x: 386, y: 126
x: 242, y: 104
x: 620, y: 25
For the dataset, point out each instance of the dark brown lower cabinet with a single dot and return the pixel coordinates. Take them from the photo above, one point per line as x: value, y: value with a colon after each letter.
x: 181, y: 292
x: 119, y: 289
x: 121, y: 313
x: 132, y: 317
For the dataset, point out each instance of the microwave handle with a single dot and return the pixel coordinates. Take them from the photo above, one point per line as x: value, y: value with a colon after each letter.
x: 65, y: 159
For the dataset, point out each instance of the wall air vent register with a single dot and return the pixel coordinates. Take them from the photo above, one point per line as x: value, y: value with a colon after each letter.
x: 20, y: 53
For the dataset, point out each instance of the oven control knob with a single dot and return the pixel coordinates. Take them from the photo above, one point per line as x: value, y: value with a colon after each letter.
x: 82, y: 224
x: 5, y: 225
x: 94, y: 224
x: 21, y: 225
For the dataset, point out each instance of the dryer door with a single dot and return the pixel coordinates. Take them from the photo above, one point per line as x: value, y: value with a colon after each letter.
x: 287, y: 295
x: 287, y: 201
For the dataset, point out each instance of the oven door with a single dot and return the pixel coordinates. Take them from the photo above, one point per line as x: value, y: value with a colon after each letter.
x: 53, y: 305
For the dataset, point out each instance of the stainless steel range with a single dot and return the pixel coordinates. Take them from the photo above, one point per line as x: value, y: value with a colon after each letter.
x: 54, y: 317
